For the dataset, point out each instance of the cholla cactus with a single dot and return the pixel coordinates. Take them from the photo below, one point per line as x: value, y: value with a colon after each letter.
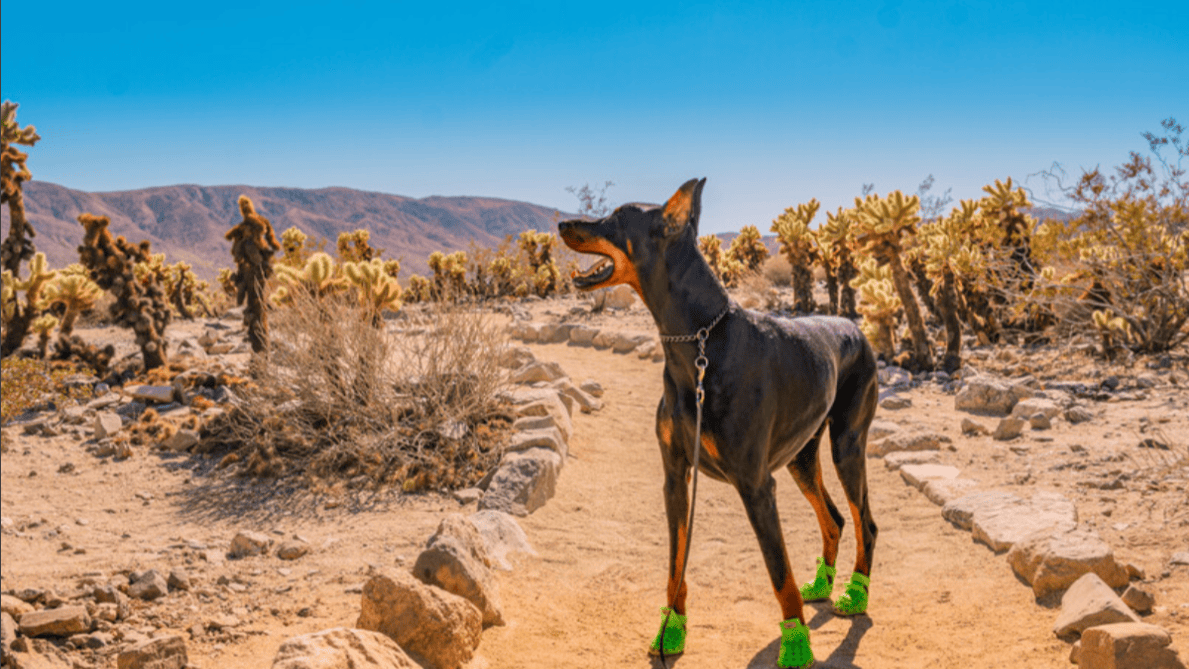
x: 878, y: 302
x: 725, y: 266
x: 1002, y: 207
x: 253, y: 244
x: 542, y: 269
x: 748, y: 248
x: 74, y: 293
x: 801, y: 247
x: 141, y: 307
x: 353, y: 247
x: 835, y: 240
x: 43, y: 325
x: 19, y: 317
x: 419, y: 289
x: 882, y: 226
x: 319, y: 277
x: 377, y: 291
x: 449, y: 275
x: 18, y: 246
x: 1114, y: 330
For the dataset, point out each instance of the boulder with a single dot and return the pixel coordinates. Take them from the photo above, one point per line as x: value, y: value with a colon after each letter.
x: 621, y: 297
x: 292, y: 549
x: 523, y: 482
x: 586, y: 402
x: 455, y: 559
x: 1052, y: 561
x: 182, y: 440
x: 1078, y: 414
x: 583, y: 335
x: 148, y: 585
x: 501, y: 535
x: 961, y: 511
x: 151, y: 394
x: 944, y: 491
x: 1009, y: 427
x: 971, y: 426
x: 905, y: 441
x: 440, y: 628
x: 515, y: 357
x: 894, y: 402
x: 625, y: 342
x: 554, y: 333
x: 164, y: 652
x: 62, y: 621
x: 342, y: 648
x: 604, y: 339
x: 1138, y: 598
x: 1027, y: 408
x: 1001, y: 526
x: 1127, y: 645
x: 985, y: 395
x: 1090, y: 602
x: 893, y: 375
x: 552, y: 408
x: 916, y: 475
x: 546, y: 437
x: 535, y: 371
x: 524, y: 330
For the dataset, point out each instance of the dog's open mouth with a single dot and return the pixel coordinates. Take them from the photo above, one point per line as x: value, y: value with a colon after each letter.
x: 598, y: 273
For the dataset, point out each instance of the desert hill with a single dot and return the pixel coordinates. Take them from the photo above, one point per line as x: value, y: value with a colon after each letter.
x: 187, y: 222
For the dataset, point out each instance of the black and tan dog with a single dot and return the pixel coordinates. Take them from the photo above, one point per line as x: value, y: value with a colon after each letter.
x: 772, y: 388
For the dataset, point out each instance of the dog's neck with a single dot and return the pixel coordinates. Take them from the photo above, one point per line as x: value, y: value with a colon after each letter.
x: 684, y: 297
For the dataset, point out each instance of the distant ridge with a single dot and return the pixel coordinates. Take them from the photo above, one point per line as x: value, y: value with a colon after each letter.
x: 188, y: 222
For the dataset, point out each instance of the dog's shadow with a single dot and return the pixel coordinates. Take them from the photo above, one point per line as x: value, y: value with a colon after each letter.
x: 843, y: 656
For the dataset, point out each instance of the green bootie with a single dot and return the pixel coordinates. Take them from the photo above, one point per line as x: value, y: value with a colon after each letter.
x: 795, y: 652
x: 823, y: 583
x: 674, y: 634
x: 854, y: 602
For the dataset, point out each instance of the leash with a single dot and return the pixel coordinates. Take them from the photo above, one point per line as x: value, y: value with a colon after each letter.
x: 701, y: 362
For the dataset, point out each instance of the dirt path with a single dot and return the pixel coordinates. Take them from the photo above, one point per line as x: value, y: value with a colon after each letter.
x: 937, y: 599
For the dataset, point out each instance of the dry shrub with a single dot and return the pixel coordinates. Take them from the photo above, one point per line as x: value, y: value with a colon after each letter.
x: 339, y: 399
x: 755, y: 291
x: 778, y: 271
x: 30, y: 383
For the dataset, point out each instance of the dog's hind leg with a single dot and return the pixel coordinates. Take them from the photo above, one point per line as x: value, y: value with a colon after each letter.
x: 807, y: 472
x: 760, y: 502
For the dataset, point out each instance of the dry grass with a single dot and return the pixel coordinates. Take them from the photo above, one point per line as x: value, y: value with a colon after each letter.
x: 339, y: 399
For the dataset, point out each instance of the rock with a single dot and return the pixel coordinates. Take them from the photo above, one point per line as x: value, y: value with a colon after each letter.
x: 893, y: 375
x: 154, y: 394
x: 8, y: 631
x: 441, y: 628
x: 342, y: 648
x: 550, y: 405
x: 621, y: 297
x: 148, y: 586
x: 916, y: 475
x: 14, y: 606
x: 898, y: 459
x: 1078, y: 414
x: 548, y: 437
x: 587, y: 403
x: 1009, y: 428
x: 604, y: 339
x: 1090, y: 602
x: 501, y: 535
x: 1181, y: 558
x: 164, y: 652
x: 523, y: 482
x: 905, y: 441
x: 467, y: 495
x: 1138, y: 598
x: 292, y: 549
x: 1001, y: 526
x: 961, y: 511
x: 524, y: 330
x: 583, y: 335
x: 1026, y: 408
x: 37, y: 654
x: 182, y: 440
x: 522, y: 396
x: 985, y: 395
x: 1052, y: 561
x: 455, y: 559
x: 971, y: 426
x: 943, y: 491
x: 515, y: 357
x: 248, y: 543
x: 537, y: 371
x: 893, y: 402
x: 62, y: 621
x: 625, y: 342
x: 107, y: 424
x: 880, y: 429
x: 530, y: 423
x: 178, y: 579
x: 591, y: 387
x: 1039, y: 421
x: 554, y: 333
x: 647, y: 349
x: 1127, y: 645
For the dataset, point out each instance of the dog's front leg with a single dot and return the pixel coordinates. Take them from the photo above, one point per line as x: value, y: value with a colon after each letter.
x: 677, y: 509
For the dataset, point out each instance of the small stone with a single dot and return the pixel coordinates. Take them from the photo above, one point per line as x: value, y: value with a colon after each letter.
x: 178, y: 579
x: 248, y: 543
x: 154, y: 394
x: 1088, y: 603
x: 1078, y: 414
x: 1139, y: 599
x: 1040, y: 421
x: 62, y: 621
x: 150, y: 585
x: 898, y: 459
x: 292, y: 549
x: 165, y: 652
x: 1009, y: 428
x: 917, y: 475
x: 467, y: 495
x: 14, y: 606
x: 1126, y: 645
x: 1181, y: 558
x: 592, y: 388
x: 107, y: 424
x: 342, y: 648
x: 894, y: 402
x: 442, y: 628
x: 971, y: 426
x: 182, y: 440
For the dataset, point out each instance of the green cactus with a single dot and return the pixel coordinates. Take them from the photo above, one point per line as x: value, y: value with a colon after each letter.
x: 878, y: 303
x: 43, y: 325
x: 882, y: 228
x: 376, y: 289
x: 419, y: 289
x: 19, y: 317
x: 726, y: 267
x: 354, y: 247
x: 319, y: 277
x: 748, y: 248
x: 801, y: 247
x: 18, y: 246
x: 836, y: 240
x: 253, y: 244
x: 140, y: 306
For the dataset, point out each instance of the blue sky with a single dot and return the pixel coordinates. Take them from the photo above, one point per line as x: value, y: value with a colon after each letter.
x: 775, y: 103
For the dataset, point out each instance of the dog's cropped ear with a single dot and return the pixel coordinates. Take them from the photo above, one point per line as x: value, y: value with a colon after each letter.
x: 684, y: 207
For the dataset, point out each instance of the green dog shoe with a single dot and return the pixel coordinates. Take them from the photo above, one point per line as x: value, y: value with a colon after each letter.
x: 854, y: 602
x: 823, y: 583
x: 674, y: 633
x: 795, y: 652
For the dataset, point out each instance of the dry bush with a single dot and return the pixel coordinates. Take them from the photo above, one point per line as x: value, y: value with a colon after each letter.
x: 754, y: 291
x: 778, y: 271
x: 29, y: 383
x: 339, y: 399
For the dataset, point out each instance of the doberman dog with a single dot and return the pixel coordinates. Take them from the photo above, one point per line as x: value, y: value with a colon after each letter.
x: 772, y: 388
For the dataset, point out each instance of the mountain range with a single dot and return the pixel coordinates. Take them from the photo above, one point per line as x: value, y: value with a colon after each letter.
x: 188, y: 222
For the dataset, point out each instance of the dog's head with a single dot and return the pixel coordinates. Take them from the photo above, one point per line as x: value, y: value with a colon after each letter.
x: 636, y: 240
